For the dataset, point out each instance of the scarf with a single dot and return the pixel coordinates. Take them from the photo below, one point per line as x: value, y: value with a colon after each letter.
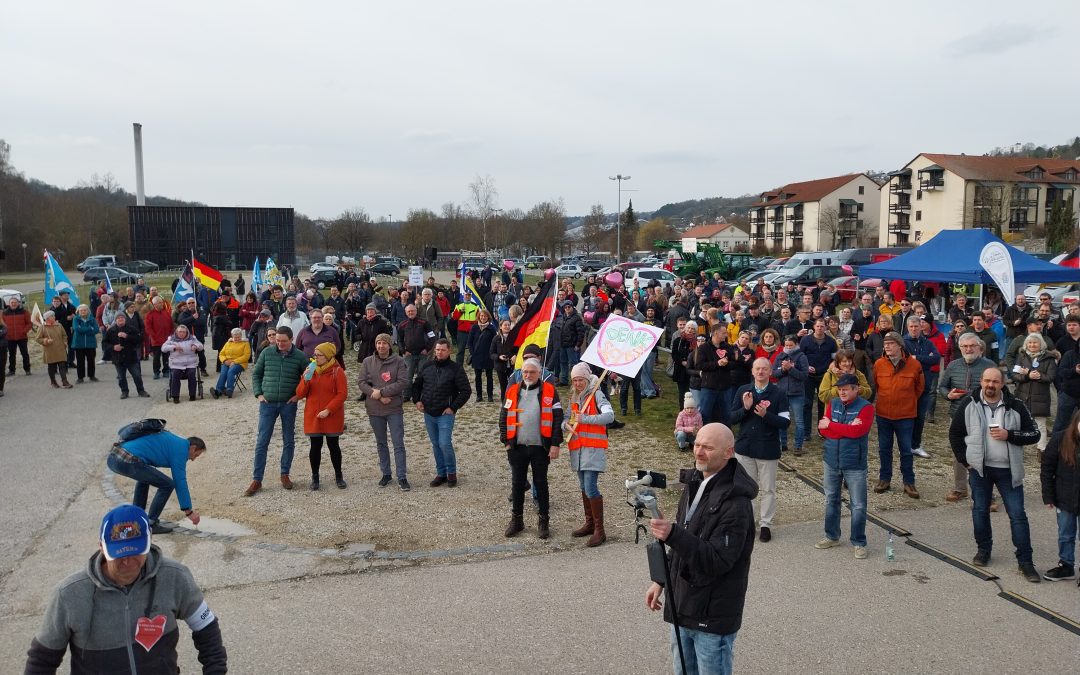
x: 329, y: 351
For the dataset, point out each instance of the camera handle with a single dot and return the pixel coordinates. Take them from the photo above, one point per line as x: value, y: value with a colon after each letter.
x: 658, y: 549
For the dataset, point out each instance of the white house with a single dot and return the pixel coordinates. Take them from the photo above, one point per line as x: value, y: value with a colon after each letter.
x: 817, y: 215
x: 726, y: 235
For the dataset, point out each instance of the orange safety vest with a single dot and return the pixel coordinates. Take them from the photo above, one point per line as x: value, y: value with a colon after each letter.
x: 547, y: 404
x: 587, y: 435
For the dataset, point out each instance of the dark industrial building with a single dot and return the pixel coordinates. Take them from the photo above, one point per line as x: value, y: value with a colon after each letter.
x: 224, y: 237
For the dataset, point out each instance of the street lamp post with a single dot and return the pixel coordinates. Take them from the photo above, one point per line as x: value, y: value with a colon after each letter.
x: 618, y: 217
x: 24, y: 256
x: 494, y: 212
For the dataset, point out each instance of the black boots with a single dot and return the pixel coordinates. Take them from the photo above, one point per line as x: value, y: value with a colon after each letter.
x: 542, y: 527
x: 517, y: 524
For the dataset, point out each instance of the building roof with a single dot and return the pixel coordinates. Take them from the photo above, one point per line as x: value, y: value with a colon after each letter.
x: 1005, y: 169
x: 709, y: 230
x: 806, y: 191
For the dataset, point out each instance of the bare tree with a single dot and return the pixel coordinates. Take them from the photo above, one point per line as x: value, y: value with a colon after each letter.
x: 351, y: 230
x: 828, y: 226
x: 418, y: 231
x: 483, y: 197
x: 592, y: 231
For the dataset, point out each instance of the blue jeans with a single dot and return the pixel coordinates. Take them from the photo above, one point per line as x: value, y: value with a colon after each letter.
x: 705, y: 653
x: 568, y: 358
x: 707, y: 401
x: 684, y: 439
x: 981, y: 489
x: 722, y: 409
x: 144, y: 476
x: 588, y: 481
x: 926, y: 400
x: 227, y: 379
x: 648, y: 385
x: 268, y: 415
x: 122, y: 370
x: 1067, y: 527
x: 795, y: 407
x: 441, y: 432
x: 902, y: 429
x: 810, y: 392
x: 856, y: 482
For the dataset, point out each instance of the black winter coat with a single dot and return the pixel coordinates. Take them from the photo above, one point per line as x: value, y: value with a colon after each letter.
x: 573, y: 330
x: 1060, y: 482
x: 367, y: 331
x: 480, y: 340
x: 710, y: 560
x: 759, y: 437
x: 714, y: 375
x: 130, y: 352
x: 440, y: 385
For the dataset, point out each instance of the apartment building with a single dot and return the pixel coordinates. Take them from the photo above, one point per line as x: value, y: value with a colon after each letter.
x: 936, y: 192
x: 725, y: 235
x: 817, y: 215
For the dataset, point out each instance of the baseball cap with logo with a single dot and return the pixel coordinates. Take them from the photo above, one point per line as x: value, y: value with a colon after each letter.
x: 125, y: 531
x: 847, y: 380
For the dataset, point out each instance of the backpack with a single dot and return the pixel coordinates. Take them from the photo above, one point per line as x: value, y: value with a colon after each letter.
x: 141, y: 428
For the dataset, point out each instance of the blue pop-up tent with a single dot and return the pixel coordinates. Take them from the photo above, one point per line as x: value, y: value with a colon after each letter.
x: 952, y: 256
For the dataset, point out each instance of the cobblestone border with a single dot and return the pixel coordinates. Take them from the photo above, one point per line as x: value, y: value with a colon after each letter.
x: 362, y: 552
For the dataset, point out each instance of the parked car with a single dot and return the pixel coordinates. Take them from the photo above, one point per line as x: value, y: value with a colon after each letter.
x: 386, y: 268
x: 324, y: 278
x: 846, y: 287
x: 116, y: 275
x: 1057, y: 292
x: 808, y: 275
x: 96, y: 261
x: 645, y: 275
x: 569, y: 271
x: 140, y: 266
x: 592, y: 265
x: 535, y: 262
x: 7, y: 293
x: 322, y: 266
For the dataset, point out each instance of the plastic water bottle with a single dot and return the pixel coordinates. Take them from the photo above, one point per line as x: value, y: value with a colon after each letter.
x: 890, y: 553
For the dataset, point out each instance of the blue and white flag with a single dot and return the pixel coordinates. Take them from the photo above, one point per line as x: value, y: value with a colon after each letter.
x: 108, y: 283
x: 256, y: 278
x: 185, y: 287
x: 56, y: 281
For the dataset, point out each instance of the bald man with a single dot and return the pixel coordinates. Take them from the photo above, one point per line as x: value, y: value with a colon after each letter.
x: 987, y: 435
x: 711, y: 540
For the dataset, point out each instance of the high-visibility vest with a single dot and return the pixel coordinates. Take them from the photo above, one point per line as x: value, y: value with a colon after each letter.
x: 547, y: 404
x: 587, y: 435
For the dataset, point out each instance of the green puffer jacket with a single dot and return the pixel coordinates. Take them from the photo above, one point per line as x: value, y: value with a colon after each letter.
x: 276, y: 375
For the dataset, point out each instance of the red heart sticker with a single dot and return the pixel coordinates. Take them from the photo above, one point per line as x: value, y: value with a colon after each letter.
x: 386, y: 377
x: 721, y: 353
x: 766, y: 403
x: 149, y: 631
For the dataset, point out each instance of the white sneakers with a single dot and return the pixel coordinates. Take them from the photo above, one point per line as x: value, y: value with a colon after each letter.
x: 919, y: 452
x: 827, y: 543
x: 860, y: 552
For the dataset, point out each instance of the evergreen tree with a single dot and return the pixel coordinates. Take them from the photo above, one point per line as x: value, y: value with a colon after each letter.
x: 1059, y: 226
x: 629, y: 231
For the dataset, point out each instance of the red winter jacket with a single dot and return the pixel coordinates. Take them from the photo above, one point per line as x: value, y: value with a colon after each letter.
x: 158, y: 327
x: 17, y: 322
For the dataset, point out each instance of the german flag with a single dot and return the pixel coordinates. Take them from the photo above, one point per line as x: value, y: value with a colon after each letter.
x: 535, y: 323
x: 1071, y: 260
x: 207, y: 276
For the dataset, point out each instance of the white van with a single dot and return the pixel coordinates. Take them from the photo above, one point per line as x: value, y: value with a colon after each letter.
x: 797, y: 263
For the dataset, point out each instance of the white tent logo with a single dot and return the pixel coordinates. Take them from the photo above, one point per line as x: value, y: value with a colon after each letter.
x: 997, y: 262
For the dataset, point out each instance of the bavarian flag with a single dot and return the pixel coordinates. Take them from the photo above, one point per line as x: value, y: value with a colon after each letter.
x: 207, y: 276
x: 535, y: 323
x: 56, y: 281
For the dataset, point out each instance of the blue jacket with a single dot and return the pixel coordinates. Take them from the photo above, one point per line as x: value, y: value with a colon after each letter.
x: 84, y: 333
x: 819, y: 356
x: 165, y: 449
x: 846, y: 453
x: 924, y: 351
x: 792, y: 382
x: 759, y: 436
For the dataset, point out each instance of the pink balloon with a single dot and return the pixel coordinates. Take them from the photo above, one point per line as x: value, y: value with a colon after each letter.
x: 548, y: 273
x: 613, y: 279
x: 508, y: 264
x: 589, y: 317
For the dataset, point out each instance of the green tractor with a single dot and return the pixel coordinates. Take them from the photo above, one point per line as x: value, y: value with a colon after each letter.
x: 709, y: 257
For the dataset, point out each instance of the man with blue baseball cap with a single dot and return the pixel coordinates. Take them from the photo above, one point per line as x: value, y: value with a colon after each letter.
x: 120, y: 613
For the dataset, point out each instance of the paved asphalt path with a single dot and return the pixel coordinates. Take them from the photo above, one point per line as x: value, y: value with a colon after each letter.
x: 52, y: 440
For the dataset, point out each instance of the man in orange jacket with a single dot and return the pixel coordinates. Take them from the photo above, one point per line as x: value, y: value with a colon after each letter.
x: 900, y: 382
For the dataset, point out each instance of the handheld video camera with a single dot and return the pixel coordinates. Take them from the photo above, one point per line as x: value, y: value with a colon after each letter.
x: 641, y: 495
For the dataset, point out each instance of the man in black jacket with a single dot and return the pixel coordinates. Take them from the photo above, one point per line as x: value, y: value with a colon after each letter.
x: 761, y: 411
x: 123, y: 342
x: 415, y: 340
x: 571, y: 339
x: 120, y: 613
x: 441, y: 388
x: 711, y: 541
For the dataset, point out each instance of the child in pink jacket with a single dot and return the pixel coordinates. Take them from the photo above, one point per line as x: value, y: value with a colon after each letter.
x: 687, y: 424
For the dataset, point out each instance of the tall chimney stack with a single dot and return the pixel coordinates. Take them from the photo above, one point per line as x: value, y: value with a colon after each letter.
x: 140, y: 192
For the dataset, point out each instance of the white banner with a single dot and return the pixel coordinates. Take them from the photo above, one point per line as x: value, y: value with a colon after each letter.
x: 622, y: 345
x: 997, y: 262
x: 689, y: 245
x: 416, y: 275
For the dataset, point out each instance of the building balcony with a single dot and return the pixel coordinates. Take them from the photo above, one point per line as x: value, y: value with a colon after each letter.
x: 928, y: 184
x: 1025, y: 203
x: 900, y: 187
x: 900, y: 207
x: 795, y: 233
x: 1019, y: 225
x: 758, y: 234
x: 986, y: 202
x: 900, y: 227
x: 777, y: 235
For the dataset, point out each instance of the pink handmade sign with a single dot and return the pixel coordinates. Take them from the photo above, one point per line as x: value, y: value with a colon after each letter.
x: 622, y: 345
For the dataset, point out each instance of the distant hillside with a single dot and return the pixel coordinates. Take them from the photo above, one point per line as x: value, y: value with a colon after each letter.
x: 1069, y: 150
x: 701, y: 210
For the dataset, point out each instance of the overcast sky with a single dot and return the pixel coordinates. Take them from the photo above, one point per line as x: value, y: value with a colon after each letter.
x: 388, y: 106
